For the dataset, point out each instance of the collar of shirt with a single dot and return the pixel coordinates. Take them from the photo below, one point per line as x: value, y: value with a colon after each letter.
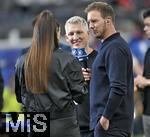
x: 110, y: 38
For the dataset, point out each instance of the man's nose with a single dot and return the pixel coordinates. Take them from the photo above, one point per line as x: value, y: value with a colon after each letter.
x: 75, y: 36
x: 91, y: 25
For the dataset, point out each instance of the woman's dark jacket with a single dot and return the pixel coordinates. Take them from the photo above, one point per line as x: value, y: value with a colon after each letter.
x: 65, y: 86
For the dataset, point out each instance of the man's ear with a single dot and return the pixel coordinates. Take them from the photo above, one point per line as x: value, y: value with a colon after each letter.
x: 107, y: 20
x: 66, y: 38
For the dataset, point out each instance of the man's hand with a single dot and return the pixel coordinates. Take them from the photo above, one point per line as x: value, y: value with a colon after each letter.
x: 141, y: 81
x: 86, y: 73
x: 104, y: 122
x: 135, y: 85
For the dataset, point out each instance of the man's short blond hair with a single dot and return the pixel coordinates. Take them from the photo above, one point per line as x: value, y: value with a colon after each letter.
x: 76, y: 20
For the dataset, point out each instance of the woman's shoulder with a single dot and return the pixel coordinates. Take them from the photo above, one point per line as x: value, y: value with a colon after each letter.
x: 60, y: 53
x: 64, y: 58
x: 20, y: 61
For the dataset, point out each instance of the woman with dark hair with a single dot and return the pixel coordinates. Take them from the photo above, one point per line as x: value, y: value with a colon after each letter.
x: 49, y: 79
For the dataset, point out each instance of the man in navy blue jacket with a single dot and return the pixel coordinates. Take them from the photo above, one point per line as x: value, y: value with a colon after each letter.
x: 111, y: 88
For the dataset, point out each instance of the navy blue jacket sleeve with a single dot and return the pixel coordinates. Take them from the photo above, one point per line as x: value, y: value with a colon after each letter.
x: 116, y: 61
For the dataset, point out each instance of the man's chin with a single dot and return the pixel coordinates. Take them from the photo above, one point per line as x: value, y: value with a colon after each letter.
x: 96, y: 35
x: 77, y: 46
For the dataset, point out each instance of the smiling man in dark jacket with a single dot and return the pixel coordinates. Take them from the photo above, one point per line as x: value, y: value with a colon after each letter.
x: 77, y: 36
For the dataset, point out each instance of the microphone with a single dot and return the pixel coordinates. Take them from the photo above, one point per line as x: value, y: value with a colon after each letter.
x: 81, y: 56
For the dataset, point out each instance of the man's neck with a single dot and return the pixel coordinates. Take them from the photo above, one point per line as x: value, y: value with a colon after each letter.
x: 110, y: 31
x: 88, y: 50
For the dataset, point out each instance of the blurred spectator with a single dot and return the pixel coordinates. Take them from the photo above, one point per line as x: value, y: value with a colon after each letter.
x: 128, y: 5
x: 1, y: 90
x: 143, y: 82
x: 137, y: 43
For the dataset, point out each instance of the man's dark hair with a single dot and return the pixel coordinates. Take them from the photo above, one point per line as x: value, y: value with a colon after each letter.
x: 104, y: 8
x: 146, y: 13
